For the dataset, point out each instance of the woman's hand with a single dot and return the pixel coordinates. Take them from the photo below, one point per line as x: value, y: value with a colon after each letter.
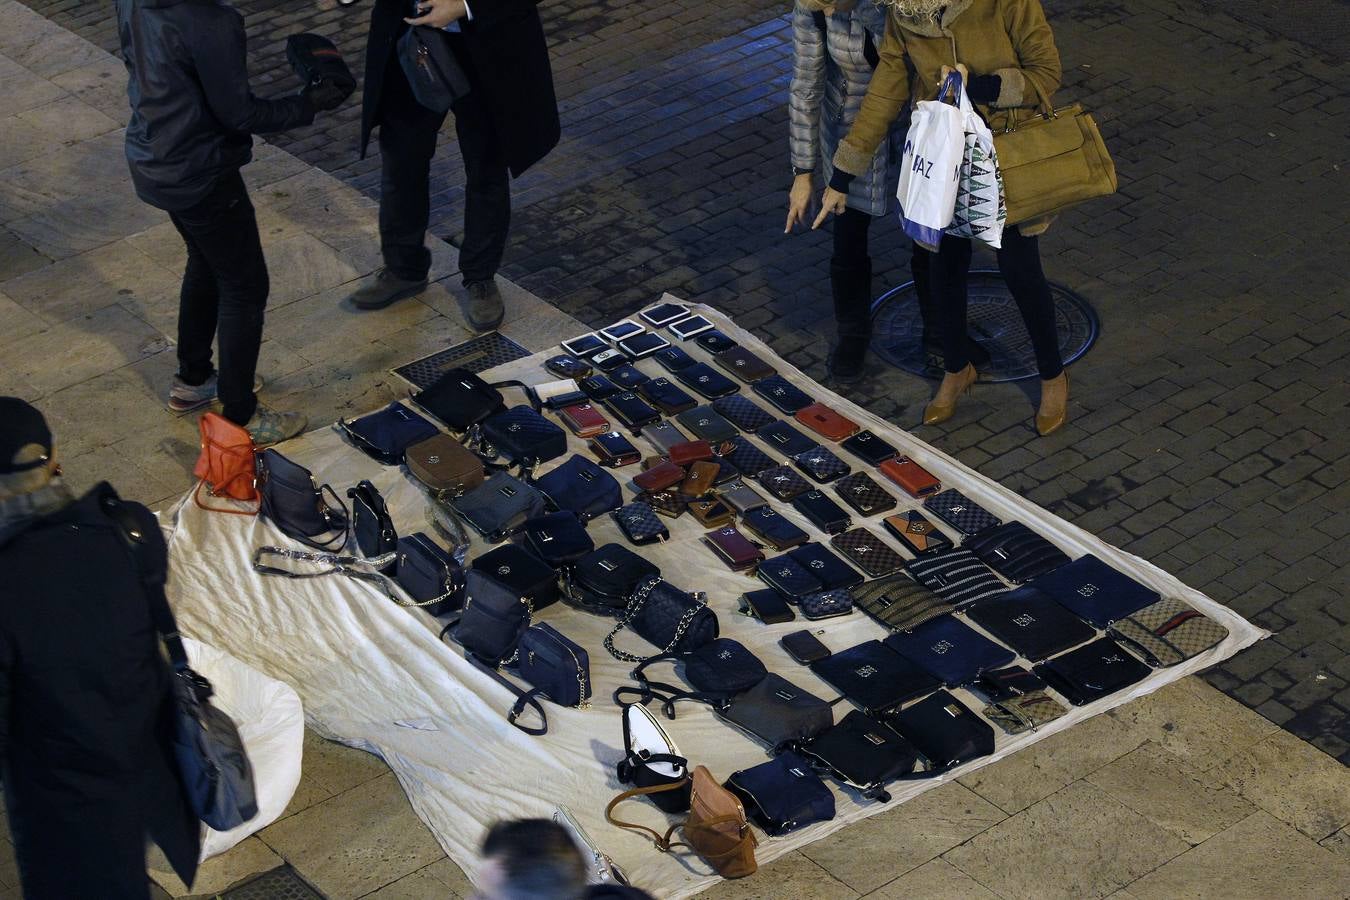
x: 831, y: 201
x: 960, y: 68
x: 439, y: 13
x: 799, y: 202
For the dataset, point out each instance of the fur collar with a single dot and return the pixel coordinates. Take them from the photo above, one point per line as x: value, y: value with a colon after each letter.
x: 934, y: 27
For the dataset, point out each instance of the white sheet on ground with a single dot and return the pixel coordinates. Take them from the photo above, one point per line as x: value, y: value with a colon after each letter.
x: 373, y: 675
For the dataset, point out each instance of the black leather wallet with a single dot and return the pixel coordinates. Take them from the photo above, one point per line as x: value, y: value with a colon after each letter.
x: 821, y: 464
x: 628, y: 378
x: 782, y: 482
x: 868, y: 552
x: 863, y: 494
x: 783, y: 394
x: 707, y: 381
x: 631, y: 410
x: 705, y: 422
x: 776, y: 530
x: 748, y: 459
x: 832, y: 571
x: 821, y: 511
x: 767, y: 605
x: 781, y: 436
x: 743, y: 412
x: 715, y: 341
x: 789, y: 577
x: 666, y: 396
x: 598, y: 387
x: 673, y: 359
x: 869, y: 448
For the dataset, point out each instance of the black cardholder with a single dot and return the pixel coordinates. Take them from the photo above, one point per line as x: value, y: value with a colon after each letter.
x: 706, y: 423
x: 707, y: 381
x: 783, y: 394
x: 673, y: 359
x: 742, y: 412
x: 773, y: 527
x: 822, y: 512
x: 767, y: 605
x: 832, y: 571
x: 781, y: 436
x: 869, y: 448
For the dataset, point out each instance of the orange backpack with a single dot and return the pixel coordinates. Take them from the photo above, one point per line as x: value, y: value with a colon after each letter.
x: 226, y: 466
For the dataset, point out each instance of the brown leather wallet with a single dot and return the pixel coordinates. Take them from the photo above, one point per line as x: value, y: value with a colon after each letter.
x: 826, y: 422
x: 700, y: 479
x: 914, y: 478
x: 662, y: 475
x: 689, y: 452
x: 743, y: 364
x: 735, y: 549
x: 584, y: 420
x: 712, y: 513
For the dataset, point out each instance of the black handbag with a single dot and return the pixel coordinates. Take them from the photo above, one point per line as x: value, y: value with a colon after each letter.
x: 666, y: 617
x: 296, y: 506
x: 371, y: 524
x: 950, y: 650
x: 436, y: 77
x: 1092, y: 671
x: 432, y: 577
x: 717, y: 671
x: 387, y: 434
x: 460, y: 399
x: 495, y: 616
x: 651, y: 763
x: 316, y: 60
x: 777, y: 712
x: 783, y: 794
x: 521, y: 436
x: 557, y: 538
x: 863, y: 753
x: 873, y: 676
x: 1016, y: 552
x: 522, y: 572
x: 554, y: 667
x: 582, y: 487
x: 498, y: 507
x: 604, y: 580
x: 944, y: 731
x: 1031, y: 622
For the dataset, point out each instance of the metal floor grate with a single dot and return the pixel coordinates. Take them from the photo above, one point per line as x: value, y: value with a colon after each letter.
x: 281, y: 883
x: 994, y: 322
x: 476, y: 355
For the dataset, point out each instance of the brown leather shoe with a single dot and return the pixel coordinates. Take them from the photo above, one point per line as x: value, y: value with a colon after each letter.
x: 1054, y: 411
x: 954, y: 384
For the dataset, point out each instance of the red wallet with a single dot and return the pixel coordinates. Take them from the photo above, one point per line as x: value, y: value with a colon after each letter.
x: 735, y: 549
x: 662, y: 475
x: 914, y: 478
x: 690, y: 452
x: 826, y: 422
x: 584, y: 420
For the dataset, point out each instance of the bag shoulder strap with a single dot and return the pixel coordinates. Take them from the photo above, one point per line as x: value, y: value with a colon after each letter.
x: 161, y: 615
x: 350, y: 566
x: 662, y: 841
x: 528, y: 698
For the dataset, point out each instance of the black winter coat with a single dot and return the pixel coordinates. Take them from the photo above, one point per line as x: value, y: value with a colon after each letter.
x: 505, y: 57
x: 85, y: 713
x: 192, y: 112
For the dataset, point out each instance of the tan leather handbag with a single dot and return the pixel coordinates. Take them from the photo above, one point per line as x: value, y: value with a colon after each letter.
x: 1052, y: 161
x: 444, y: 466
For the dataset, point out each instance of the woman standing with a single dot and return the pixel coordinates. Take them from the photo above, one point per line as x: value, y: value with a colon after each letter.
x: 1006, y: 49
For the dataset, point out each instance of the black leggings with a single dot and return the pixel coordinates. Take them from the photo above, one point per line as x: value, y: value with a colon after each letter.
x: 1020, y: 263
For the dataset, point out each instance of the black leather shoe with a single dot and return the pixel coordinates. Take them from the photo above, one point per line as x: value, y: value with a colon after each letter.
x: 385, y: 289
x: 847, y: 359
x: 484, y: 310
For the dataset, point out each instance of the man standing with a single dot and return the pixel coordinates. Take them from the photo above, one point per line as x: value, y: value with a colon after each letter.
x: 85, y: 705
x: 505, y: 123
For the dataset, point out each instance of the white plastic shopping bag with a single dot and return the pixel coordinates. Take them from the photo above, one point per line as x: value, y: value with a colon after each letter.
x: 931, y: 167
x: 981, y: 210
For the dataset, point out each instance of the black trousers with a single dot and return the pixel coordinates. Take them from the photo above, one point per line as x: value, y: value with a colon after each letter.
x: 1019, y: 261
x: 224, y: 294
x: 851, y: 274
x: 408, y: 134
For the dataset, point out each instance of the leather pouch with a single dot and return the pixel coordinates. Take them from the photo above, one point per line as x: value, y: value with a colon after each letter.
x: 584, y: 420
x: 742, y: 412
x: 707, y: 381
x: 781, y: 436
x: 1093, y: 671
x: 899, y: 602
x: 745, y: 457
x: 950, y: 650
x: 690, y: 452
x: 711, y: 513
x: 743, y: 364
x: 662, y: 475
x: 1031, y: 622
x: 705, y: 422
x: 782, y: 483
x: 666, y: 396
x: 663, y: 435
x: 821, y: 464
x: 733, y: 548
x: 700, y: 479
x: 918, y: 534
x: 773, y: 528
x: 826, y: 422
x: 1094, y: 591
x: 667, y: 502
x: 640, y: 524
x: 863, y: 494
x: 874, y: 677
x: 1168, y: 632
x: 1016, y: 552
x: 740, y: 496
x: 565, y: 365
x: 914, y: 478
x: 631, y: 410
x: 957, y: 575
x: 673, y: 359
x: 869, y: 448
x: 868, y: 552
x: 960, y: 512
x: 821, y: 511
x: 789, y: 577
x: 444, y: 466
x: 560, y: 394
x: 783, y: 394
x: 613, y: 450
x: 832, y: 571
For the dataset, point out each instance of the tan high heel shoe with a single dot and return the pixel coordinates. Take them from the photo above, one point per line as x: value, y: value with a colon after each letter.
x: 1054, y: 410
x: 954, y: 384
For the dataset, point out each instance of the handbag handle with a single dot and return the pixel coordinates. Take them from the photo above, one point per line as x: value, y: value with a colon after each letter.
x: 1043, y: 106
x: 523, y: 698
x: 339, y: 565
x: 662, y: 842
x: 634, y: 607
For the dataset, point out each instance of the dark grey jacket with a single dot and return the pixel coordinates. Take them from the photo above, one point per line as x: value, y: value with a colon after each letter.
x: 192, y: 112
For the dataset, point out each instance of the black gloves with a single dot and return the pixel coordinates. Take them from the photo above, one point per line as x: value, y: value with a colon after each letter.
x: 325, y: 95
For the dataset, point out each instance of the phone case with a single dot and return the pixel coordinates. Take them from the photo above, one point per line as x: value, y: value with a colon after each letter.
x: 666, y: 396
x: 667, y: 502
x: 767, y: 605
x: 690, y: 452
x: 598, y: 387
x: 631, y: 410
x: 640, y: 524
x: 707, y: 381
x: 742, y: 412
x: 643, y: 344
x: 748, y: 459
x: 565, y: 365
x: 700, y: 479
x: 673, y: 359
x: 662, y: 475
x: 832, y: 571
x: 782, y: 483
x: 734, y: 548
x: 711, y: 512
x: 739, y: 495
x: 863, y: 494
x: 664, y: 314
x: 960, y: 512
x: 781, y: 436
x: 918, y: 534
x: 914, y: 478
x: 584, y: 345
x: 869, y: 448
x: 783, y: 394
x: 684, y: 329
x: 625, y: 328
x: 826, y: 422
x: 609, y: 360
x: 804, y: 647
x: 868, y: 552
x: 775, y: 528
x: 584, y: 420
x: 789, y: 577
x: 821, y: 464
x: 743, y: 364
x: 629, y: 378
x: 614, y: 450
x: 715, y: 341
x: 822, y: 512
x: 706, y: 423
x: 663, y: 435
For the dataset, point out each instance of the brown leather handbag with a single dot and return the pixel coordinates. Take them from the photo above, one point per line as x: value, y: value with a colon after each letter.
x: 444, y: 466
x: 227, y: 466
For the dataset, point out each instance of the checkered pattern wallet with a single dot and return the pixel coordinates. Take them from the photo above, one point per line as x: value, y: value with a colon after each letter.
x: 960, y: 512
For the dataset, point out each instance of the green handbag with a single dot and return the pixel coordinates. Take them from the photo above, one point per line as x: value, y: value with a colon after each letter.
x: 1052, y: 160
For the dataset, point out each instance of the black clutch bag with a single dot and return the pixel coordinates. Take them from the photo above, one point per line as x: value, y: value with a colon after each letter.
x: 436, y: 78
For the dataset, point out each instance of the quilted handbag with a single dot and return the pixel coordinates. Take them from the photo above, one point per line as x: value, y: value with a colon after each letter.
x: 783, y: 794
x: 1031, y: 622
x: 742, y: 412
x: 950, y: 650
x: 899, y: 602
x: 499, y: 506
x: 557, y: 538
x: 640, y: 524
x: 385, y: 435
x: 1168, y: 632
x: 298, y: 507
x: 957, y: 575
x: 227, y: 466
x: 522, y: 436
x: 944, y: 731
x: 1094, y: 591
x: 745, y: 457
x: 821, y: 464
x: 873, y: 676
x: 665, y: 617
x: 960, y: 512
x: 868, y: 552
x: 1016, y: 552
x: 1092, y: 671
x: 604, y: 580
x: 460, y: 399
x: 443, y: 466
x: 777, y: 712
x: 582, y: 487
x: 863, y: 753
x: 826, y: 604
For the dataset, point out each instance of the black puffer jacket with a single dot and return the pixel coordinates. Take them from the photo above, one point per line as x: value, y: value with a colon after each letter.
x: 192, y: 112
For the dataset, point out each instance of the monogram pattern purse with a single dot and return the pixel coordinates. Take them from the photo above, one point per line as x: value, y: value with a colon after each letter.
x: 821, y: 464
x: 960, y: 512
x: 863, y: 494
x: 1168, y: 632
x: 868, y: 552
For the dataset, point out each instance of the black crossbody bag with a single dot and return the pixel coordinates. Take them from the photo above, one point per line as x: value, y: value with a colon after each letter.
x: 371, y: 523
x: 295, y: 505
x: 666, y: 617
x: 436, y: 77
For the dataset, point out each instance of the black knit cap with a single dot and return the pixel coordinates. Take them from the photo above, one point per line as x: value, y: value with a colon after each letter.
x: 20, y: 425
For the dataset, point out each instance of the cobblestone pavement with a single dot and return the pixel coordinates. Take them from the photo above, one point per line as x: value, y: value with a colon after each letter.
x: 1208, y: 424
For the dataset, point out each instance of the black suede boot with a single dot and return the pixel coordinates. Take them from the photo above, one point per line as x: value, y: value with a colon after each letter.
x: 851, y: 286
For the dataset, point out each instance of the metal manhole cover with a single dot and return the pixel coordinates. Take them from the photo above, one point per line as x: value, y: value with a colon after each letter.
x: 994, y: 322
x: 281, y: 883
x: 476, y: 355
